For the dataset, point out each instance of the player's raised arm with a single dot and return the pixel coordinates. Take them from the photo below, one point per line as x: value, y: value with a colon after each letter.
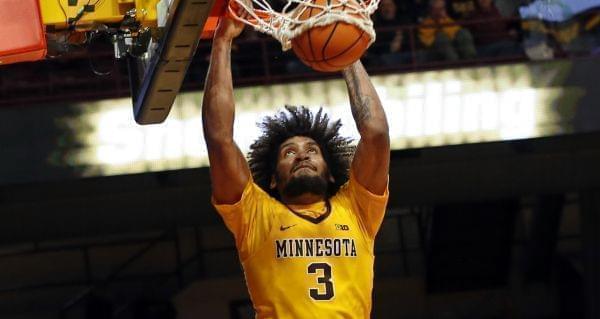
x: 229, y: 171
x: 371, y: 162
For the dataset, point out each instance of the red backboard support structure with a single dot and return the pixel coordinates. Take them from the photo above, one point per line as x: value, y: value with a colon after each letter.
x: 22, y: 35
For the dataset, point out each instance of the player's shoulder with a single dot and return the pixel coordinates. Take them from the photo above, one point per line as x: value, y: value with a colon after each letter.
x: 263, y: 198
x: 252, y: 195
x: 342, y: 196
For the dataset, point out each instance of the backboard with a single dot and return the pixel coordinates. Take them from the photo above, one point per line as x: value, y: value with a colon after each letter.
x: 157, y: 76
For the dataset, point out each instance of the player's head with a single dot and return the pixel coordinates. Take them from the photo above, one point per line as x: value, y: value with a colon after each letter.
x: 300, y: 152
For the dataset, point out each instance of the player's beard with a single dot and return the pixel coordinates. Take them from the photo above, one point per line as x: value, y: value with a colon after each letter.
x: 306, y: 184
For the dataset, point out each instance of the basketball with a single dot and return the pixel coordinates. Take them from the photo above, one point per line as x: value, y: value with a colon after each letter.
x: 331, y: 47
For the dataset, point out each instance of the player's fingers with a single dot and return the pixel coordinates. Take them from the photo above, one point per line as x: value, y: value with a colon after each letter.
x: 241, y: 9
x: 244, y: 12
x: 245, y: 15
x: 235, y: 9
x: 238, y: 8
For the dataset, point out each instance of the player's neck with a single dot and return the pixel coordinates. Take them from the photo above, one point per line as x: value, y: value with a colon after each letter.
x: 304, y: 199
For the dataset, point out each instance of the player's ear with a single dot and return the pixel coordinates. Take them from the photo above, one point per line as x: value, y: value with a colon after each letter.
x: 331, y: 179
x: 273, y: 183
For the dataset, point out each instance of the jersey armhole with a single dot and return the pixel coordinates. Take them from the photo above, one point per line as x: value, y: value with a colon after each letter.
x: 365, y: 199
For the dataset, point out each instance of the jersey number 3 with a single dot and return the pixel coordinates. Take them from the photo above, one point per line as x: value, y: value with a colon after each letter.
x: 325, y: 280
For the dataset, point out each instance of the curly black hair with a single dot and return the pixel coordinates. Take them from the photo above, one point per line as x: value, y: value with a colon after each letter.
x: 300, y: 121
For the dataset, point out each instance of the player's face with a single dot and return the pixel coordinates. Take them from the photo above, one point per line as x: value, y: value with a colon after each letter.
x: 300, y: 160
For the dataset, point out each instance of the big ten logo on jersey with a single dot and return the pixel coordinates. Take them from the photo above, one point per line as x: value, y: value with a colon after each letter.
x: 341, y: 227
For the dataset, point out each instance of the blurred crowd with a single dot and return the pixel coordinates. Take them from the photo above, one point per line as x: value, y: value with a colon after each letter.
x: 415, y: 33
x: 411, y: 35
x: 449, y: 30
x: 421, y: 31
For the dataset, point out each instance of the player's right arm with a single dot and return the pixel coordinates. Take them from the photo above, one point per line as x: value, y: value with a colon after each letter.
x: 229, y: 171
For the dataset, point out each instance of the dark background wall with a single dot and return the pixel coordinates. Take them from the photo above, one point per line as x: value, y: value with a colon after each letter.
x: 505, y: 229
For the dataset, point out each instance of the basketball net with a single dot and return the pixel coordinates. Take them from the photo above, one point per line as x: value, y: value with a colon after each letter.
x: 289, y: 23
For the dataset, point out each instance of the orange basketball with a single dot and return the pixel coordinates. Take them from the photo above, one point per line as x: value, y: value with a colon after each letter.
x: 331, y: 47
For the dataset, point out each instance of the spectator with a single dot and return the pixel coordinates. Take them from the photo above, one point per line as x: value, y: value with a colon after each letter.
x: 577, y: 36
x: 442, y: 37
x: 461, y: 9
x: 492, y: 32
x: 391, y: 45
x: 536, y: 40
x: 592, y: 31
x: 404, y: 12
x: 420, y: 8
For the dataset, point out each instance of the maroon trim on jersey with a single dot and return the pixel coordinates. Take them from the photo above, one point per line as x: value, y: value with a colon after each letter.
x: 312, y: 219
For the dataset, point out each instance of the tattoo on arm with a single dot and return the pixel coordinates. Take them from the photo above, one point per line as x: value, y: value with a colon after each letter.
x: 359, y: 101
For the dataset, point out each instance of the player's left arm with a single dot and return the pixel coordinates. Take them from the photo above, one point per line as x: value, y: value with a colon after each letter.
x: 371, y: 162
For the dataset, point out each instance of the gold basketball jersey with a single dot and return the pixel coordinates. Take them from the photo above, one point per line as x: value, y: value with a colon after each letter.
x: 298, y: 266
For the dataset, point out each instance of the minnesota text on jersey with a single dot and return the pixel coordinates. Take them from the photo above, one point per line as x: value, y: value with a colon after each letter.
x: 315, y: 247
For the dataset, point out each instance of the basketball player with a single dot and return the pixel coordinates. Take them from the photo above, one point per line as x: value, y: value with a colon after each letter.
x: 304, y: 218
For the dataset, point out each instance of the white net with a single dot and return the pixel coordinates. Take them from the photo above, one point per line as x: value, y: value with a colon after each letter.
x: 293, y: 19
